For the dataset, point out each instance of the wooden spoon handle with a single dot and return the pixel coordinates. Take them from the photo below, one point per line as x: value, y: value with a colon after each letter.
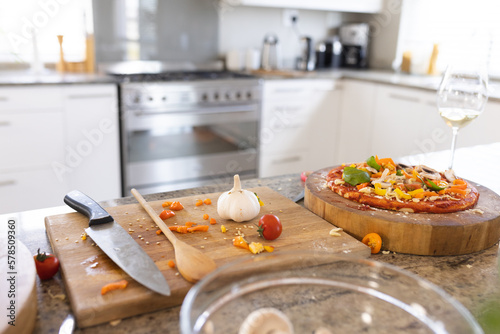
x: 163, y: 227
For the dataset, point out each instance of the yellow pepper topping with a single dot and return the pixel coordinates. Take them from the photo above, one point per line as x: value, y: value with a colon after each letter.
x: 402, y: 194
x: 223, y: 229
x: 416, y: 191
x: 379, y: 191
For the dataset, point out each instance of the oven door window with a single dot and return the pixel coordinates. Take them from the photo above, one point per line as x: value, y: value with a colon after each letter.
x: 187, y: 141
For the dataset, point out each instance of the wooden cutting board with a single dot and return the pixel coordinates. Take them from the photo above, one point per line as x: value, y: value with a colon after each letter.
x: 85, y: 268
x: 462, y: 232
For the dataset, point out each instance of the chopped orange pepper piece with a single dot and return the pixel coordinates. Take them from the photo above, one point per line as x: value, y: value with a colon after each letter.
x: 240, y: 242
x: 158, y: 232
x: 207, y: 201
x: 198, y: 202
x: 213, y: 221
x: 374, y: 241
x: 114, y: 286
x: 178, y: 229
x: 202, y: 228
x: 424, y: 194
x: 362, y: 185
x: 189, y: 224
x: 176, y: 206
x: 455, y: 190
x: 171, y: 264
x: 166, y: 204
x: 205, y: 216
x: 166, y: 214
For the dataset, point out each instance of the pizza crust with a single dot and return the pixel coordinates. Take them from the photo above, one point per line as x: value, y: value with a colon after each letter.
x: 441, y: 204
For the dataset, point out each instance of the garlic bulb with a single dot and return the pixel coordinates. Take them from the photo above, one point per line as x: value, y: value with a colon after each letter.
x: 238, y: 204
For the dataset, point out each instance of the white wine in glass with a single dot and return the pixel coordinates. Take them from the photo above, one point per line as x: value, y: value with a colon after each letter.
x: 462, y: 96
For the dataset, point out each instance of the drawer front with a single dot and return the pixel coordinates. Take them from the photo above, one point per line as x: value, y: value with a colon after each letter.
x: 282, y: 163
x: 30, y: 99
x: 30, y: 190
x: 31, y: 140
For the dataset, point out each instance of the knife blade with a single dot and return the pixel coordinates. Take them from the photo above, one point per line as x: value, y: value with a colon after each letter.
x: 117, y: 243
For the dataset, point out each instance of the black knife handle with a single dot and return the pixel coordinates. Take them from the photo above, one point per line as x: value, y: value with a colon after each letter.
x: 86, y: 205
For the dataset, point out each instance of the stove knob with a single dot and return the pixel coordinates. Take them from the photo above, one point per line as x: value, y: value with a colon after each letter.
x: 238, y: 95
x: 164, y: 98
x: 137, y: 99
x: 204, y: 97
x: 216, y: 96
x: 150, y: 98
x: 249, y: 95
x: 228, y: 96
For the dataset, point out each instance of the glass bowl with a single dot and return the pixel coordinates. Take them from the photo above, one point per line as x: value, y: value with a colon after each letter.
x: 322, y: 292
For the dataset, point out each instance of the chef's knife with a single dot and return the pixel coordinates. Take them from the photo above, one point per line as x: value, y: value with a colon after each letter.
x: 117, y: 243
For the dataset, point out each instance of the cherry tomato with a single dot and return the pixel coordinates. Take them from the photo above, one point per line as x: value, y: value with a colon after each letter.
x: 269, y: 227
x: 374, y: 241
x: 46, y: 265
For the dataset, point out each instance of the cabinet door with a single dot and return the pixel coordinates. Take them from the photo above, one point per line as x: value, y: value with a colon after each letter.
x: 30, y: 189
x: 92, y: 151
x: 30, y: 140
x: 406, y: 121
x: 356, y: 118
x: 298, y: 126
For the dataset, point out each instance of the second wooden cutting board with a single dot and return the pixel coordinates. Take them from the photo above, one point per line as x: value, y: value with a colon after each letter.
x: 85, y: 268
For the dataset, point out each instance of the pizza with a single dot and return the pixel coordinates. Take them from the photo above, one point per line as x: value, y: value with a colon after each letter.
x: 383, y: 184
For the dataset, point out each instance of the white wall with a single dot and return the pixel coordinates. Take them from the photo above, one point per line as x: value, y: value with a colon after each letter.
x: 243, y: 27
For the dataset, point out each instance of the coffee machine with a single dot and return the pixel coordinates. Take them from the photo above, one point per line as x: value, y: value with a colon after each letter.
x: 355, y: 39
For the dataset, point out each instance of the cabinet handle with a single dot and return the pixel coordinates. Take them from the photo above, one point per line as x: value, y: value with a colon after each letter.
x: 89, y: 96
x: 404, y: 98
x: 7, y: 183
x: 4, y: 123
x: 287, y: 160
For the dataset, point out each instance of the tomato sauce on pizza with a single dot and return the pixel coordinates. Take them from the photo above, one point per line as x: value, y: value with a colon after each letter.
x: 383, y: 184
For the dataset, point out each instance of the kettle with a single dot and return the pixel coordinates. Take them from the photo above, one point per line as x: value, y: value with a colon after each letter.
x: 269, y: 58
x: 305, y: 61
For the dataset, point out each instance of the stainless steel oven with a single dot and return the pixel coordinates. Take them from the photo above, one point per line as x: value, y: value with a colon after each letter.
x: 188, y: 133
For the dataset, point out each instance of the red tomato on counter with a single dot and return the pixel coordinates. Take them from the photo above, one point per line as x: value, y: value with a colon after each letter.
x: 269, y: 227
x: 46, y: 265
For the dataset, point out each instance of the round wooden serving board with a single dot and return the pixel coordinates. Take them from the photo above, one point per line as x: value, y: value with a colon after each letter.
x: 462, y: 232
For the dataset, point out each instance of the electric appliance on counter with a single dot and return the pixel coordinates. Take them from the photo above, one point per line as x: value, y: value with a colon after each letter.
x: 355, y: 41
x: 305, y: 62
x: 269, y: 56
x: 329, y: 53
x: 183, y: 129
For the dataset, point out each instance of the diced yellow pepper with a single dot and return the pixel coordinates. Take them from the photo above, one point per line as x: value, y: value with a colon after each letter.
x: 416, y: 191
x: 256, y: 247
x: 402, y: 194
x: 379, y: 191
x: 223, y: 229
x: 269, y: 249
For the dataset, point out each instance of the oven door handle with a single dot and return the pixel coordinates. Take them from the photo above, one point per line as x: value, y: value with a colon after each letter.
x: 201, y: 111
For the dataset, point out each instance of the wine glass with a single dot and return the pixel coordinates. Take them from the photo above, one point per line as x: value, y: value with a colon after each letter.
x: 462, y: 96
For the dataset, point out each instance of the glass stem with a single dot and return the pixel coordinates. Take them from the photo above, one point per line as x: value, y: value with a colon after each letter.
x: 453, y: 145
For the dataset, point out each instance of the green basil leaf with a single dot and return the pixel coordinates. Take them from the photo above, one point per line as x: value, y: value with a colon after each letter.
x: 399, y: 172
x: 355, y: 176
x: 373, y: 163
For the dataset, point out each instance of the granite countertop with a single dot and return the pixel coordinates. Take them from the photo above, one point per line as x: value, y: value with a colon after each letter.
x: 50, y: 77
x: 472, y: 279
x: 389, y: 77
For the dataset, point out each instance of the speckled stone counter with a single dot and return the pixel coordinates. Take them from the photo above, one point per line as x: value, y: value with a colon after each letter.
x: 472, y: 279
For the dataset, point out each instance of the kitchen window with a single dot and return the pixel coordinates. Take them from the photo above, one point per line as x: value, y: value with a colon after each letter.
x: 467, y: 32
x: 48, y: 18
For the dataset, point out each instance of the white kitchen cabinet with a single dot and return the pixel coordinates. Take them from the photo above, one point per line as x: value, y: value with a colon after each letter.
x: 56, y: 138
x: 298, y: 126
x: 406, y: 122
x: 356, y: 121
x: 92, y: 140
x: 358, y: 6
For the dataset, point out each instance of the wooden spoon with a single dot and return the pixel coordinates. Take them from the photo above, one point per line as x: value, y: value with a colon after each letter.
x: 191, y: 262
